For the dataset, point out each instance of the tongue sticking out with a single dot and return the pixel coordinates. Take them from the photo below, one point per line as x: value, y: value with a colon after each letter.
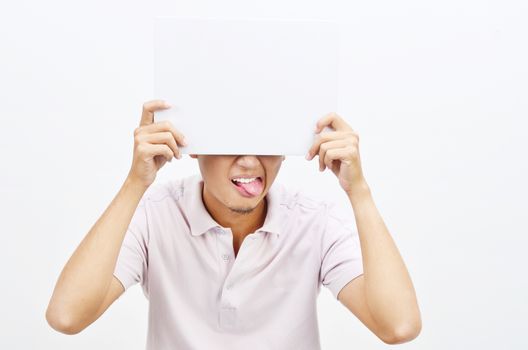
x: 254, y: 188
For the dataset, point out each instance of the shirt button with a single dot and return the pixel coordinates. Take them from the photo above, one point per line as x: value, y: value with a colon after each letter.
x: 225, y: 257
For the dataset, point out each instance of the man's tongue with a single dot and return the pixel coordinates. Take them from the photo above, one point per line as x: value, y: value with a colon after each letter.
x: 254, y: 188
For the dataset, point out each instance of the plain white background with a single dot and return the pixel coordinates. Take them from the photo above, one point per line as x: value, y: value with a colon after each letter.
x: 436, y: 90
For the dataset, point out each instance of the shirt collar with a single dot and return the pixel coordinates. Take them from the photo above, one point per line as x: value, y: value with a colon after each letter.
x: 200, y: 221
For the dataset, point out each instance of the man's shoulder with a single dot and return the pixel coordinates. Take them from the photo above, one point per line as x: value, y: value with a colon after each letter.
x: 299, y: 198
x: 303, y: 199
x: 332, y: 209
x: 172, y: 189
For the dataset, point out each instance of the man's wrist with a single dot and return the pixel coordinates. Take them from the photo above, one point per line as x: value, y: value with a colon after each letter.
x: 134, y: 185
x: 358, y: 191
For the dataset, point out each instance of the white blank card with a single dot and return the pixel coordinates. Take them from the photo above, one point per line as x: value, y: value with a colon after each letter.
x: 246, y: 86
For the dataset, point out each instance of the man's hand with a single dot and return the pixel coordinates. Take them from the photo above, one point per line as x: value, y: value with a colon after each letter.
x: 339, y: 151
x: 154, y: 144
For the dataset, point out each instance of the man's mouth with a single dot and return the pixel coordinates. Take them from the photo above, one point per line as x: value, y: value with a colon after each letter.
x: 248, y: 186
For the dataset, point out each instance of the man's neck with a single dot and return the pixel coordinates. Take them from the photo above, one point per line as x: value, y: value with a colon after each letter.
x: 241, y: 224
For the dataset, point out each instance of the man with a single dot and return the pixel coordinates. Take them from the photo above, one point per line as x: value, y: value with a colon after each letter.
x: 228, y: 260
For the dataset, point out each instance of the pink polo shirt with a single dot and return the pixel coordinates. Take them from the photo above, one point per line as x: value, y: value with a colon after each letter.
x: 201, y: 297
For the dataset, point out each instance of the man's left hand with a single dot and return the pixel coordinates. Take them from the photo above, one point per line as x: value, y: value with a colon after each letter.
x: 339, y: 151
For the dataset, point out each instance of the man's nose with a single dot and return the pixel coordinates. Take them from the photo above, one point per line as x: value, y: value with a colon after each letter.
x: 248, y: 161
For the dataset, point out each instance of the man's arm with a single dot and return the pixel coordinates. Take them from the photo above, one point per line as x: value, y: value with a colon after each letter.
x: 86, y: 286
x: 383, y: 298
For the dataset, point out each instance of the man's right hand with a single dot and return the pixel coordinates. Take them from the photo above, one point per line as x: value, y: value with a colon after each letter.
x: 154, y: 144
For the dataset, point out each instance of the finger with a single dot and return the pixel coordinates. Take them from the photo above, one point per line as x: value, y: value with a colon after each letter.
x: 163, y: 126
x: 152, y: 150
x: 160, y: 161
x: 164, y: 137
x: 324, y: 137
x: 339, y: 154
x: 334, y: 121
x: 147, y: 116
x: 334, y: 157
x: 327, y: 146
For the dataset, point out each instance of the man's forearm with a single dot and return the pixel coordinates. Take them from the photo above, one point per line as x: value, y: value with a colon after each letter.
x: 388, y: 287
x: 86, y: 277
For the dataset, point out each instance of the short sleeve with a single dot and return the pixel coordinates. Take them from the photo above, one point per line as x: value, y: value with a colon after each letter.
x: 341, y: 260
x: 132, y: 261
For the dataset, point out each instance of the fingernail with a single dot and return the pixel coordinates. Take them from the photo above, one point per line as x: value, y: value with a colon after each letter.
x: 307, y: 156
x: 167, y: 105
x: 184, y: 141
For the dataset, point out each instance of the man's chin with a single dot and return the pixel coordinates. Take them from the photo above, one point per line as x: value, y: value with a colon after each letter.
x: 242, y: 211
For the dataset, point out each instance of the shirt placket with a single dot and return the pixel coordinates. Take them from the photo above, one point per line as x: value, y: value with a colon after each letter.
x: 227, y: 312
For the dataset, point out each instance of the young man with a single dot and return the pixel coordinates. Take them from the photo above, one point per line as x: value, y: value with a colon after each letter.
x: 230, y: 261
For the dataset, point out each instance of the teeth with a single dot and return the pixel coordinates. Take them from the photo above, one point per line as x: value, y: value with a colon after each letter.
x: 245, y: 180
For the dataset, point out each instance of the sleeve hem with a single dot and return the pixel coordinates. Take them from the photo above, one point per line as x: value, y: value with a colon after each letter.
x: 122, y: 279
x: 336, y: 286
